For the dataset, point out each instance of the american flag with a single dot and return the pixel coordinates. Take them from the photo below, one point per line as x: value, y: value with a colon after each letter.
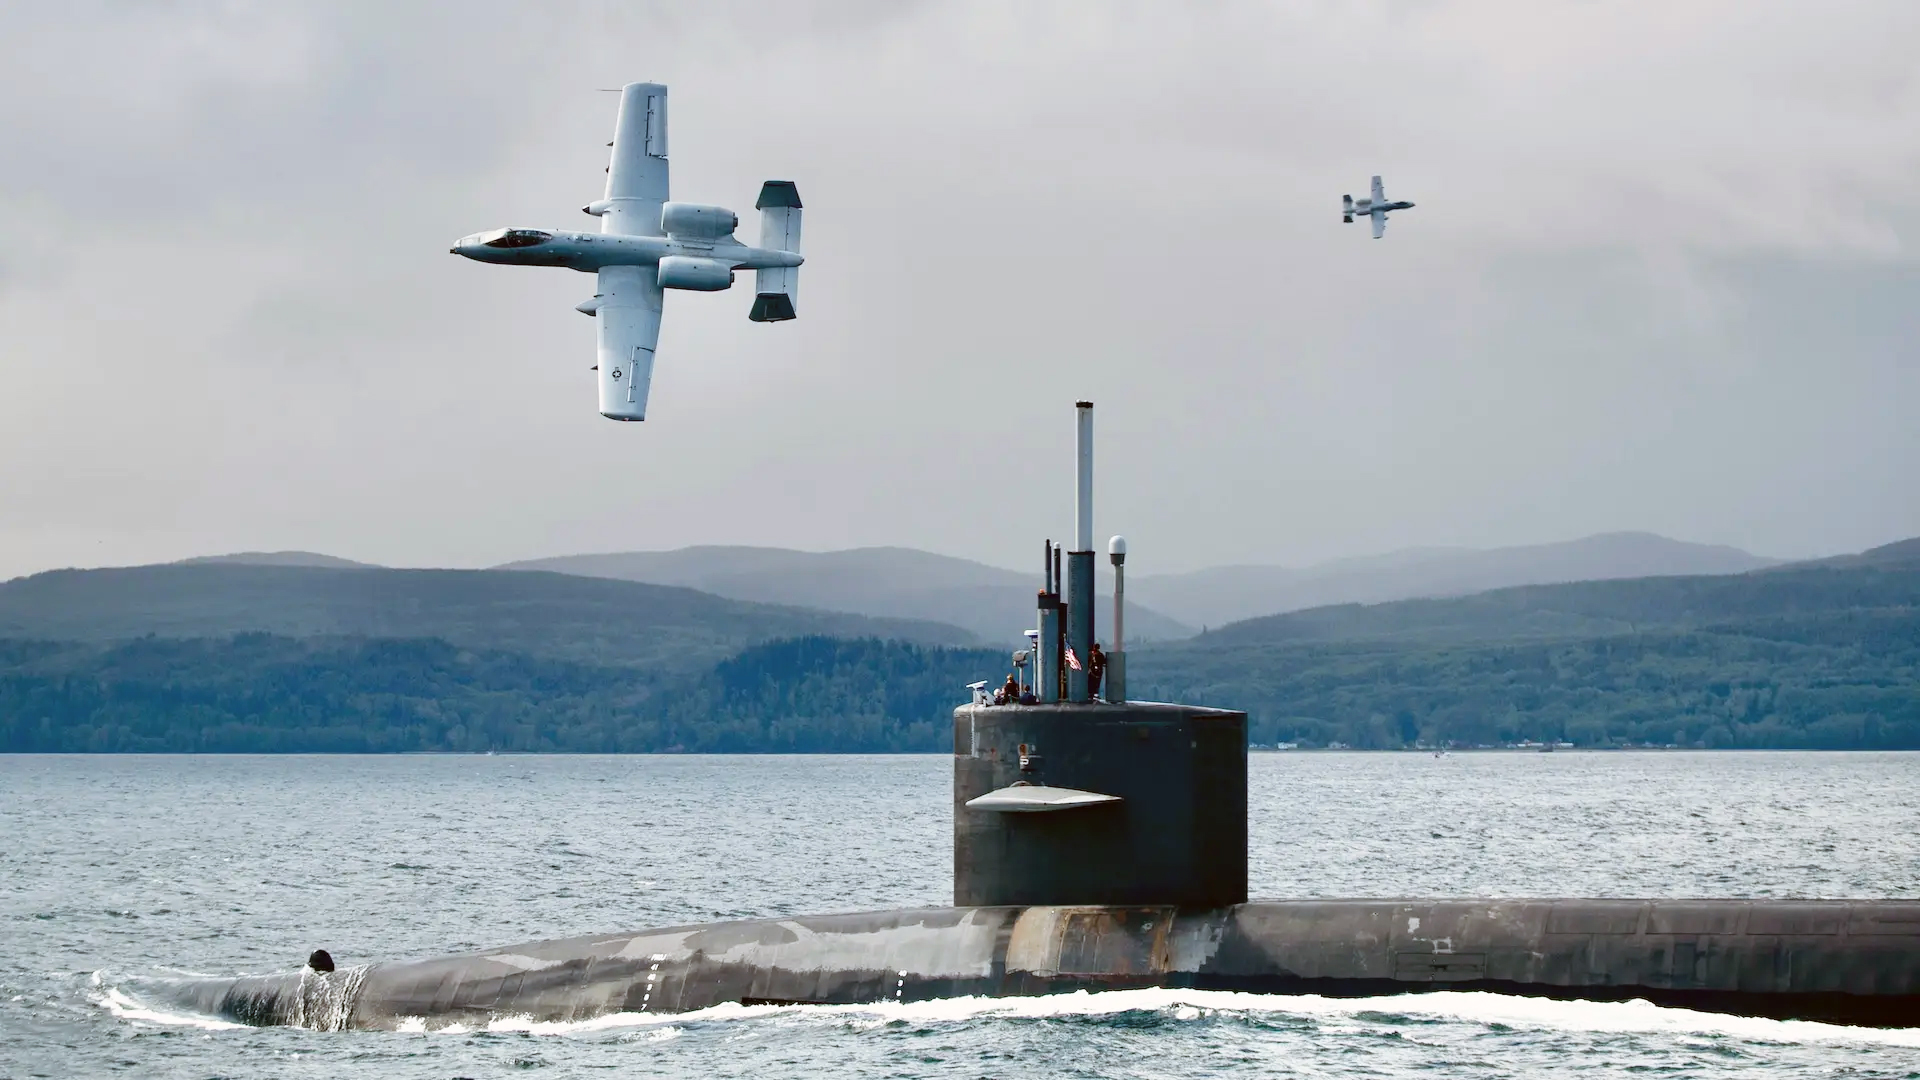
x: 1072, y: 660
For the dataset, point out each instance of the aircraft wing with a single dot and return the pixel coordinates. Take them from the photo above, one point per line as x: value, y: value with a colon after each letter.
x: 637, y: 175
x: 1379, y: 192
x: 629, y: 315
x: 1379, y: 223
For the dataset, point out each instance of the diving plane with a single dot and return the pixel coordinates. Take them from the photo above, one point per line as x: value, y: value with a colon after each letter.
x: 1375, y: 208
x: 647, y: 245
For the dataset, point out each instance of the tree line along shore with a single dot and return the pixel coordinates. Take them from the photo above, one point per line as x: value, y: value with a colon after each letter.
x: 1823, y: 657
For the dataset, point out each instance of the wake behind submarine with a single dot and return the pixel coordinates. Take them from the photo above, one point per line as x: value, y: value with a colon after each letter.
x: 1101, y: 845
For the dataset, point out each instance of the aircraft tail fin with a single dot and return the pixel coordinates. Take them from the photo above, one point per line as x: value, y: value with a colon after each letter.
x: 1346, y: 209
x: 774, y: 288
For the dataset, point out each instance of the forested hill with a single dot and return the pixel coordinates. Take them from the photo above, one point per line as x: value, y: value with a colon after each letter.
x: 1831, y: 681
x: 1818, y: 655
x: 655, y: 628
x: 267, y: 693
x: 1825, y: 657
x: 1595, y: 608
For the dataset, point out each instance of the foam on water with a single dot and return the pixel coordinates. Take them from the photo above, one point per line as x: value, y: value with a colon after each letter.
x: 126, y: 1007
x: 1476, y: 1008
x: 229, y: 870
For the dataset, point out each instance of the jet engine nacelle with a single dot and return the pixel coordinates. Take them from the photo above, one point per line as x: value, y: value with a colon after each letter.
x: 694, y: 219
x: 696, y: 274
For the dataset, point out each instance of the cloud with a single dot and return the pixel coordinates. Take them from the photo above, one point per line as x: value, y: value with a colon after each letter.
x: 232, y: 322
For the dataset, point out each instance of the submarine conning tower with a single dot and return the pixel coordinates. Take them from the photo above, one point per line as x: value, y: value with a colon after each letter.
x: 1101, y: 844
x: 1062, y: 798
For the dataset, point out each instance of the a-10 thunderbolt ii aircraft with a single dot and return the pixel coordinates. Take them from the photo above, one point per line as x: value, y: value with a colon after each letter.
x: 647, y: 245
x: 1375, y: 207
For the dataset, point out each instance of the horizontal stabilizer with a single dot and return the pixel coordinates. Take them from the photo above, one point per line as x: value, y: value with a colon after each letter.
x: 775, y: 287
x: 771, y: 307
x: 778, y: 193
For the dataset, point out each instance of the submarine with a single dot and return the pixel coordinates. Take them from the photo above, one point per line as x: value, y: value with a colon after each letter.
x: 1100, y: 843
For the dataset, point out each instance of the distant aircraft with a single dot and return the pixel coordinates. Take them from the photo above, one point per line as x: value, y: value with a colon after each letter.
x: 1375, y: 208
x: 646, y: 245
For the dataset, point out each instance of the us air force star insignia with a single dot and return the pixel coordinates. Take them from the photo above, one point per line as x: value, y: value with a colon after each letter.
x: 616, y: 373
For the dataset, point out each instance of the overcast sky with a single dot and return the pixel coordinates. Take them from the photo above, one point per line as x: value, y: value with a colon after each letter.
x: 1662, y: 276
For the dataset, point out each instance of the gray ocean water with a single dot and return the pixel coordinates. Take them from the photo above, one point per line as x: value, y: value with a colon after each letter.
x: 118, y: 870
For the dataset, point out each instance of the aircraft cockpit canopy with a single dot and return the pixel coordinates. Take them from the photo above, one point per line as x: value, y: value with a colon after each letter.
x: 515, y: 238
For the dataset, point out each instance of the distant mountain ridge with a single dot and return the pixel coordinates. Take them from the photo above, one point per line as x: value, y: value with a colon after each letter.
x: 1817, y: 654
x: 278, y: 558
x: 1228, y: 594
x: 995, y: 604
x: 1897, y: 554
x: 1595, y: 608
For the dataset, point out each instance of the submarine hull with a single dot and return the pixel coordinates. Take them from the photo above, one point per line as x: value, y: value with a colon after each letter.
x: 1850, y: 962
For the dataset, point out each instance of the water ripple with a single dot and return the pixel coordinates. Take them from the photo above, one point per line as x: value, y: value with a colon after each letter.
x: 120, y: 871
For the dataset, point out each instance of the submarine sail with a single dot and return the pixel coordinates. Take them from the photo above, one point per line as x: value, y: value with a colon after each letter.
x: 1102, y: 844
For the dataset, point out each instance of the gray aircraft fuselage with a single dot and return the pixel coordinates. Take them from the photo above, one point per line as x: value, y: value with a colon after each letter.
x: 588, y: 251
